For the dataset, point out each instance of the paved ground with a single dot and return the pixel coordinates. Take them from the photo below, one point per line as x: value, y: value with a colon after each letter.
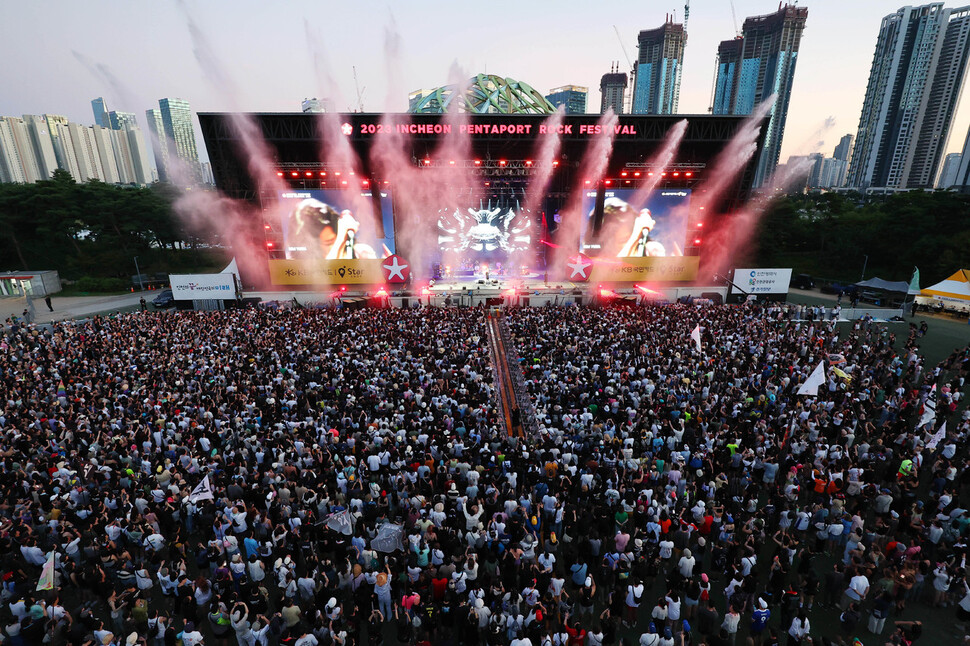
x: 72, y: 307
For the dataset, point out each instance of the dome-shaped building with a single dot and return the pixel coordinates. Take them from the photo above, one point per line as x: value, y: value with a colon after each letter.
x: 483, y: 94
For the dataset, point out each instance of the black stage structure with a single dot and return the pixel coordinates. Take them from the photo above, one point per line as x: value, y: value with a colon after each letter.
x: 503, y: 151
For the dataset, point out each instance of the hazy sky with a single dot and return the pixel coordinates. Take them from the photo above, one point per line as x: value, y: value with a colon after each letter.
x: 51, y: 52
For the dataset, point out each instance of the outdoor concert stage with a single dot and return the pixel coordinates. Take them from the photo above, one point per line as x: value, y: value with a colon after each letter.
x: 453, y: 195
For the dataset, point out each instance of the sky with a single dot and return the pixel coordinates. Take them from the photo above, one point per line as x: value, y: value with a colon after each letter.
x: 266, y: 56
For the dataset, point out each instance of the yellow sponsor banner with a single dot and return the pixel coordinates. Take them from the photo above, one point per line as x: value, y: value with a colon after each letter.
x: 632, y: 270
x: 325, y: 272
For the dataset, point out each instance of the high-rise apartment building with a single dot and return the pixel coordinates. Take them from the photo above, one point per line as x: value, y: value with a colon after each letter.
x: 179, y: 131
x: 120, y: 120
x: 949, y: 170
x: 42, y: 143
x: 33, y: 147
x: 656, y: 87
x: 156, y: 128
x: 917, y: 72
x: 573, y: 97
x: 843, y: 150
x: 316, y: 105
x: 756, y: 66
x: 100, y: 109
x: 613, y: 90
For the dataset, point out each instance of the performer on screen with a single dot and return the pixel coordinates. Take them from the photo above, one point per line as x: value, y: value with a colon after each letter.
x: 639, y: 244
x: 333, y: 234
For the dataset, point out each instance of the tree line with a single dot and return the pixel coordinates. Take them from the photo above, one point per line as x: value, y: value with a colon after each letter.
x: 94, y: 230
x: 835, y: 236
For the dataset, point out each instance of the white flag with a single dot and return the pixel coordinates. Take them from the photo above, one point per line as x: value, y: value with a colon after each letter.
x: 937, y: 437
x: 341, y: 521
x: 929, y: 409
x: 46, y: 580
x: 816, y: 379
x: 696, y: 335
x: 202, y: 491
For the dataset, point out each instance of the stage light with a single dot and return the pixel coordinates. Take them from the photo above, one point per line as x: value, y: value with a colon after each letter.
x: 663, y: 174
x: 344, y: 182
x: 697, y: 242
x: 279, y: 173
x: 308, y: 174
x: 555, y: 164
x: 295, y: 174
x: 608, y: 182
x: 636, y: 174
x: 451, y: 162
x: 478, y: 162
x: 649, y: 174
x: 701, y: 208
x: 351, y: 172
x: 626, y: 181
x: 623, y: 174
x: 266, y: 226
x: 386, y: 182
x: 323, y: 173
x: 688, y: 174
x: 501, y: 162
x: 337, y: 174
x: 343, y: 288
x: 365, y: 182
x: 587, y: 182
x: 427, y: 162
x: 676, y: 174
x: 700, y: 225
x: 488, y: 183
x: 528, y: 162
x: 269, y: 245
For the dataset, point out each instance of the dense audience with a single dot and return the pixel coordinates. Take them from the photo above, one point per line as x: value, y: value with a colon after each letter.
x: 336, y: 477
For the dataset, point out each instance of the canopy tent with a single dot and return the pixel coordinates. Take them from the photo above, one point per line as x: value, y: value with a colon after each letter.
x: 886, y: 285
x: 956, y: 287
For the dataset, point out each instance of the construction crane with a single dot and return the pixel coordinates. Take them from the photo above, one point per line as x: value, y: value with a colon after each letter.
x: 686, y: 13
x: 360, y: 91
x: 629, y: 61
x: 734, y: 19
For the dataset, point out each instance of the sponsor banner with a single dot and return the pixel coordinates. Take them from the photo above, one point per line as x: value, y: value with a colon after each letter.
x: 668, y: 268
x: 761, y: 281
x: 187, y: 287
x: 326, y: 272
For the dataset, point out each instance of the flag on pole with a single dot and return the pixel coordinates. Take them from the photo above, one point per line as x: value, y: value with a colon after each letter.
x: 914, y: 282
x: 46, y: 580
x: 202, y: 491
x: 937, y: 437
x: 696, y: 335
x: 928, y: 415
x: 816, y: 379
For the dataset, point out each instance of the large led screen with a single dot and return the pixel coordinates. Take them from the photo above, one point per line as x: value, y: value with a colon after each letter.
x: 655, y: 229
x: 337, y: 224
x: 486, y: 232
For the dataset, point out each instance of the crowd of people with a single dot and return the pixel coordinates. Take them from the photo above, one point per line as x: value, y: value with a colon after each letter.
x: 311, y: 476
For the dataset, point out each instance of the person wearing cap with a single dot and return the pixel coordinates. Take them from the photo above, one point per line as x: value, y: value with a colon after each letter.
x: 650, y: 637
x: 760, y: 617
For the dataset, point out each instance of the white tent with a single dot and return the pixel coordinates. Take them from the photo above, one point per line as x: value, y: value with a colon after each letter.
x: 953, y: 292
